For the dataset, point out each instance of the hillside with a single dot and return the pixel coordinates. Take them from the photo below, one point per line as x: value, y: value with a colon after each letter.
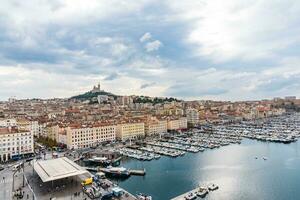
x: 90, y: 95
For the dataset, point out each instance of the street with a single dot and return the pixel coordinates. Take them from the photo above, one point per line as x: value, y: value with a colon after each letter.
x: 6, y: 180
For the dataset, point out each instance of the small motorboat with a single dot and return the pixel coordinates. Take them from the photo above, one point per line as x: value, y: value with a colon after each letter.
x: 190, y: 196
x: 213, y: 187
x: 141, y: 196
x: 202, y: 192
x: 265, y: 158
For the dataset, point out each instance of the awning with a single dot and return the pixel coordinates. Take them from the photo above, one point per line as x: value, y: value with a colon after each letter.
x: 54, y: 169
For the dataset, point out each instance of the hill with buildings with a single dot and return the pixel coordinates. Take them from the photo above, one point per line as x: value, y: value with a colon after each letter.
x: 93, y: 94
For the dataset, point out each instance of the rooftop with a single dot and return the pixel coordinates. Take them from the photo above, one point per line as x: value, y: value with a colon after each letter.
x: 58, y: 168
x: 11, y: 130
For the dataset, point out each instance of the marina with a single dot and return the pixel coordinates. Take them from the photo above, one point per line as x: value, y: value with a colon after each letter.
x: 188, y: 149
x: 230, y: 160
x: 231, y: 167
x: 284, y: 129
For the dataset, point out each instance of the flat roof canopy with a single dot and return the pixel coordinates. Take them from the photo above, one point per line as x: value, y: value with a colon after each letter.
x: 54, y: 169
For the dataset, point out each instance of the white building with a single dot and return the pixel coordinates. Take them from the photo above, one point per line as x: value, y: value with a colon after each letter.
x: 8, y: 122
x: 84, y: 136
x: 15, y: 142
x: 34, y: 127
x: 62, y: 138
x: 31, y: 125
x: 102, y: 98
x: 134, y: 130
x: 177, y: 124
x: 154, y: 126
x: 192, y: 116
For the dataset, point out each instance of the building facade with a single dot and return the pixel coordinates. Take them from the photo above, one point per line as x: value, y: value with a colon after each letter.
x: 177, y: 124
x: 154, y: 126
x: 126, y: 131
x: 8, y: 122
x: 15, y: 143
x: 82, y: 137
x: 192, y: 116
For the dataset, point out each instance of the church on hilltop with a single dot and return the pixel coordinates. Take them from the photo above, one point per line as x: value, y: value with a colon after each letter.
x: 96, y: 89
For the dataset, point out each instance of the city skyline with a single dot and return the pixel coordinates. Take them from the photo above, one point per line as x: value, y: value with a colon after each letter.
x: 189, y: 50
x: 96, y: 89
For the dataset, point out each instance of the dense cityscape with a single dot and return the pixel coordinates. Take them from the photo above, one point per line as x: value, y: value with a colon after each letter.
x: 95, y: 131
x: 149, y: 100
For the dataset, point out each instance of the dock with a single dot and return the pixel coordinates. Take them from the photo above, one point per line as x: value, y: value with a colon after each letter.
x: 206, y: 188
x: 181, y: 197
x: 137, y: 172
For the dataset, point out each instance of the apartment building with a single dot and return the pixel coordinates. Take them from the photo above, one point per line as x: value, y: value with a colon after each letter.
x: 31, y: 125
x: 154, y: 126
x: 8, y: 122
x: 192, y: 116
x: 81, y: 136
x: 130, y: 130
x: 51, y: 131
x: 177, y: 124
x: 15, y: 143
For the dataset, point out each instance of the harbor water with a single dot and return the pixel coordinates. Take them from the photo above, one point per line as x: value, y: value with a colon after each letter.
x: 238, y: 169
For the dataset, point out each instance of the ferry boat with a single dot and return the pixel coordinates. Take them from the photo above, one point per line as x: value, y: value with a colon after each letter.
x: 97, y: 160
x: 119, y: 172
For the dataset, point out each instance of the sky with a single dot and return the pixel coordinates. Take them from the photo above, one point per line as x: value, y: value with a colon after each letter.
x: 192, y: 49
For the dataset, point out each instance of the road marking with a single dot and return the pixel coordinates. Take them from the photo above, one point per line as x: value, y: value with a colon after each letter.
x: 5, y: 181
x: 2, y: 181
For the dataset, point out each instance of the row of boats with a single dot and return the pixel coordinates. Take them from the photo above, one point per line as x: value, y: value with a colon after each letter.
x: 138, y: 154
x: 174, y: 146
x: 162, y: 150
x: 284, y: 129
x: 281, y: 129
x: 177, y: 146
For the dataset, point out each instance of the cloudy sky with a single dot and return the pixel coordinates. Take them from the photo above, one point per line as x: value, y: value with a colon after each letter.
x: 192, y: 49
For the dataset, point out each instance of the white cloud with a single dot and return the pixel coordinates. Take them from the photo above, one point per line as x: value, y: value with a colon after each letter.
x: 75, y: 44
x: 119, y: 49
x: 147, y: 36
x: 153, y: 46
x: 234, y: 29
x: 75, y: 12
x: 102, y: 40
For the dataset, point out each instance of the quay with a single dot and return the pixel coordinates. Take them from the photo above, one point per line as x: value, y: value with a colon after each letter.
x: 137, y: 172
x: 182, y: 196
x: 200, y: 192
